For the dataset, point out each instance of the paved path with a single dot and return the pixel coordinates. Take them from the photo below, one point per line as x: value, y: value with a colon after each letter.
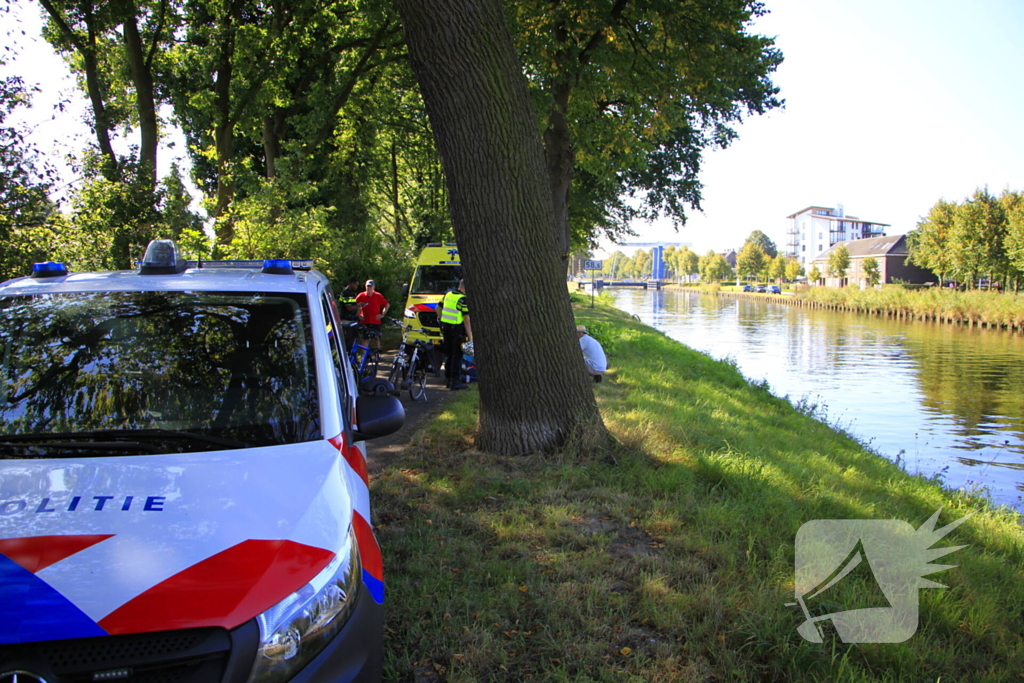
x: 383, y: 451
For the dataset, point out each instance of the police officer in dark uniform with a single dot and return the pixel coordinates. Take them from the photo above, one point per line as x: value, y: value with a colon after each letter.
x: 456, y: 329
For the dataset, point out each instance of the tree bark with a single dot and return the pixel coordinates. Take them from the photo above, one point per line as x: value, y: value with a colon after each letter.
x: 145, y: 101
x: 560, y: 164
x: 225, y: 127
x: 87, y: 49
x: 535, y: 393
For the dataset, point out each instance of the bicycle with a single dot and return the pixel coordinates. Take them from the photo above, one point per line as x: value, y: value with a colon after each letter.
x: 410, y: 367
x: 364, y: 358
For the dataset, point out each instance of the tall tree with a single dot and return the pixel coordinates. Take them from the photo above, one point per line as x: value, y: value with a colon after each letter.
x: 767, y: 245
x: 631, y: 93
x: 777, y: 269
x: 871, y: 271
x: 751, y: 260
x: 688, y: 262
x: 642, y: 264
x: 978, y: 228
x: 532, y: 398
x: 839, y: 261
x: 930, y: 244
x: 1014, y: 241
x: 260, y: 88
x: 115, y: 46
x: 713, y: 267
x: 793, y: 268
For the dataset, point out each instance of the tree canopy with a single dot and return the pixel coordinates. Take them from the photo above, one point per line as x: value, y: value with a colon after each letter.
x: 630, y: 94
x: 751, y: 260
x: 713, y: 267
x: 839, y: 261
x: 25, y: 182
x: 980, y: 236
x: 762, y: 240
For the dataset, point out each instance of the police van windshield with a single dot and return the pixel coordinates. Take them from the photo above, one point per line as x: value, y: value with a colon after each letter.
x: 435, y: 279
x: 234, y: 369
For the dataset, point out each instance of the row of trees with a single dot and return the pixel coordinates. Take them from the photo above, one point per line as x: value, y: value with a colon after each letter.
x: 307, y: 133
x: 983, y: 236
x: 759, y: 258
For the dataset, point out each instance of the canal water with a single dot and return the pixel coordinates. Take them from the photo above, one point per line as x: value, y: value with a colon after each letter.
x: 944, y: 400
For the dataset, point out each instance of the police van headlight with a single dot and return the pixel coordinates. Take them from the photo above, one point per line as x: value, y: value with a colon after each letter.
x: 297, y: 629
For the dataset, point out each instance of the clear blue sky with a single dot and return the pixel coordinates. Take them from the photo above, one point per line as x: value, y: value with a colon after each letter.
x: 891, y: 105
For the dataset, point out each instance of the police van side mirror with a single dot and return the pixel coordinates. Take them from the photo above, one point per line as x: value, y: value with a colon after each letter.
x: 378, y: 416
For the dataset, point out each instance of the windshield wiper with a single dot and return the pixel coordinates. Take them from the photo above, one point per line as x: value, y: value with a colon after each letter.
x: 173, y: 434
x: 101, y: 448
x: 115, y: 440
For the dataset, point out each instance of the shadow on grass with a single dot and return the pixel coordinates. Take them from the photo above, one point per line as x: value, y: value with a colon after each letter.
x: 674, y: 560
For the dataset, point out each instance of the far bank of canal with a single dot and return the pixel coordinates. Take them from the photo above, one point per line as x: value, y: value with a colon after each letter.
x: 945, y: 400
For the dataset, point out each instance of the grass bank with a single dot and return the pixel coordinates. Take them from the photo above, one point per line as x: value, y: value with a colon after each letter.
x: 670, y: 558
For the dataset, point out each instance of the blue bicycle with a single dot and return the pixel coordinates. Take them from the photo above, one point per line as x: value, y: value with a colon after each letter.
x: 365, y: 361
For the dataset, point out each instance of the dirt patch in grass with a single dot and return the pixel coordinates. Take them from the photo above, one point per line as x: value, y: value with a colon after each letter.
x: 629, y: 540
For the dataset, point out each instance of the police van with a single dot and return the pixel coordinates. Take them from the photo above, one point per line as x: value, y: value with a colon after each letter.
x: 438, y: 270
x: 183, y: 480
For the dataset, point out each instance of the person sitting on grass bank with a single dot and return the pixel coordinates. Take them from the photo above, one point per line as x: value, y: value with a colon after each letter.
x: 593, y: 354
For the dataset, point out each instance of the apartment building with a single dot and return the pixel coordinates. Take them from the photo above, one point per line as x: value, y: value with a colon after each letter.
x: 817, y: 228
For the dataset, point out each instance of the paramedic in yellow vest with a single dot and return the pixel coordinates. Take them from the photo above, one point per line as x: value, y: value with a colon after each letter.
x: 455, y: 328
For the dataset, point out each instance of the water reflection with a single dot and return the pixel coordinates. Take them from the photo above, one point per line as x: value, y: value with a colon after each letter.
x: 945, y: 399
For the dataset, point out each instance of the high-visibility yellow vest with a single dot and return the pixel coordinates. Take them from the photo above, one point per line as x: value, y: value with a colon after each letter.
x: 450, y: 313
x: 346, y: 301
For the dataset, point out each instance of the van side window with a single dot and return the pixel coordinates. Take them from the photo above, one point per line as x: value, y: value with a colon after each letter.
x: 336, y: 338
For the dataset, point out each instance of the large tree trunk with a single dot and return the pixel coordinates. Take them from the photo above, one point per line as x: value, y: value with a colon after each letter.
x: 534, y: 389
x: 224, y: 129
x: 145, y: 101
x: 93, y: 84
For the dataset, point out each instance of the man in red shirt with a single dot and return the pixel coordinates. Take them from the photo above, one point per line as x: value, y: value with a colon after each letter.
x: 372, y: 307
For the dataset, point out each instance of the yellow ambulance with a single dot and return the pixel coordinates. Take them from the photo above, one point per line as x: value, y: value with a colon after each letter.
x: 438, y: 270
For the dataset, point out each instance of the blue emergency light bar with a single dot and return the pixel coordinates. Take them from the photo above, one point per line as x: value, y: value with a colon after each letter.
x: 162, y: 258
x: 293, y: 264
x: 49, y: 269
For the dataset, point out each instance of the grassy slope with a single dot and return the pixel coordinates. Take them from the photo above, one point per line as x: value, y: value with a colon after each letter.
x: 671, y: 558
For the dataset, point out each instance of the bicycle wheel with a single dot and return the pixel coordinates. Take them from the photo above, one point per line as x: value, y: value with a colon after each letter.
x: 397, y: 373
x: 418, y: 382
x: 370, y: 366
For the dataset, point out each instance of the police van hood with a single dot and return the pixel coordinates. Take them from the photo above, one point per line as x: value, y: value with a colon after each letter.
x: 113, y: 545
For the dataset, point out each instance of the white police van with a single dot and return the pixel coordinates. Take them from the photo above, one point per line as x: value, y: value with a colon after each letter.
x: 183, y: 481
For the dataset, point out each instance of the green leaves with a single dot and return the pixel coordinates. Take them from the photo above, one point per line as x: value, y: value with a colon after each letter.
x: 631, y: 94
x: 839, y: 261
x: 979, y: 237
